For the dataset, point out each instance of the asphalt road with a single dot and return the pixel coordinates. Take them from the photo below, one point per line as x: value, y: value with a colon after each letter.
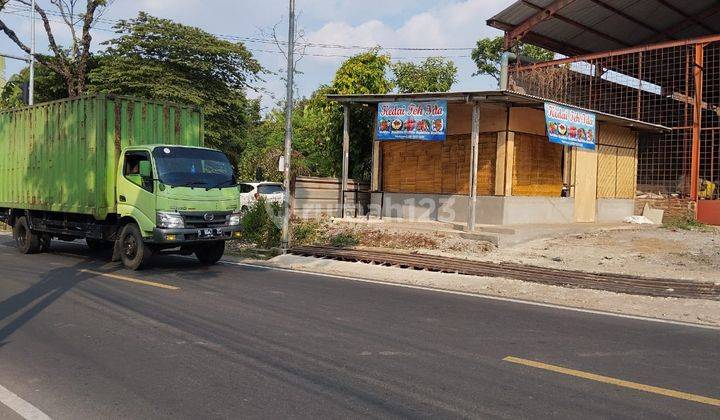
x: 244, y: 342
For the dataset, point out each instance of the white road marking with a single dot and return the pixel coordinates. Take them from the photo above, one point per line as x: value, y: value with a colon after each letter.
x: 480, y: 296
x: 20, y: 406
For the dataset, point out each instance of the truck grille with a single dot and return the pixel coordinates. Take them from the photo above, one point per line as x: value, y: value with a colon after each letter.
x: 199, y: 220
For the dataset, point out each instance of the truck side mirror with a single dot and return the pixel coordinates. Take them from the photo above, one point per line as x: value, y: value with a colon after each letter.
x: 145, y: 169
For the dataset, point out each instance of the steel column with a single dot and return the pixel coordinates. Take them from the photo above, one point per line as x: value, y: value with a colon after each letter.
x: 345, y: 157
x: 697, y: 121
x: 474, y: 146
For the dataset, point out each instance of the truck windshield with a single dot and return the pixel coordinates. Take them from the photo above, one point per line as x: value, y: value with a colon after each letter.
x: 189, y: 167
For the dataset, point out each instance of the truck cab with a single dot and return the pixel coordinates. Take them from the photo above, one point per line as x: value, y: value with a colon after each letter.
x: 175, y: 197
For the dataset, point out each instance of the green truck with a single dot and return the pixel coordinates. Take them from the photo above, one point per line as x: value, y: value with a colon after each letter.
x: 121, y: 173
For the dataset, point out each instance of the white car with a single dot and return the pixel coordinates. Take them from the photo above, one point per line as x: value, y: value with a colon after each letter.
x: 250, y: 192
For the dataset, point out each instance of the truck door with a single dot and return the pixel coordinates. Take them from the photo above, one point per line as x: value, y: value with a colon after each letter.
x: 136, y: 189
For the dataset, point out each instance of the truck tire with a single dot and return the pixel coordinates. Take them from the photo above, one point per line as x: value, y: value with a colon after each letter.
x: 27, y: 241
x: 45, y: 241
x: 133, y: 251
x: 211, y: 253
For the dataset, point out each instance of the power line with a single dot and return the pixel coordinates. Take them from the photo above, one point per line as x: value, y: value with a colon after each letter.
x: 265, y: 40
x: 25, y: 13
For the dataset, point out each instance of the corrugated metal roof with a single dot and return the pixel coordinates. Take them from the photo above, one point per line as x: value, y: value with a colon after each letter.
x: 492, y: 96
x: 587, y: 26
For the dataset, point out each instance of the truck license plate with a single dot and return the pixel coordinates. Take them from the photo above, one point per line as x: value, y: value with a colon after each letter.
x: 208, y: 233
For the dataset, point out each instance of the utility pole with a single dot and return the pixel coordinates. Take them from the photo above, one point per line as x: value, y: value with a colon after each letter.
x: 31, y: 93
x: 288, y: 124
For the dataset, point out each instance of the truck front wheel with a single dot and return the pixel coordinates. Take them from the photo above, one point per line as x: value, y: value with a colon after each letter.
x: 133, y: 251
x: 27, y: 241
x: 211, y: 253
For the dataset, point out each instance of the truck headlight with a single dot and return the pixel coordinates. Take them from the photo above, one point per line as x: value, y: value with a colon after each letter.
x: 170, y: 220
x: 234, y: 219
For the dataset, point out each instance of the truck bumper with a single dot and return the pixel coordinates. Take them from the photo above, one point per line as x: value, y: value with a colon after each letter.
x: 192, y: 236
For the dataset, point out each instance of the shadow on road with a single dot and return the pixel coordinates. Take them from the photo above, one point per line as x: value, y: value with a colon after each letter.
x: 26, y: 305
x: 33, y: 300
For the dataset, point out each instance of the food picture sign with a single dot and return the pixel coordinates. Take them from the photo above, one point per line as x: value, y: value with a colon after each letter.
x: 425, y: 120
x: 570, y: 127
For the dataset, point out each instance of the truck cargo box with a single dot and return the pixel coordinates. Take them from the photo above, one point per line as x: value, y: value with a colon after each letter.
x: 62, y: 156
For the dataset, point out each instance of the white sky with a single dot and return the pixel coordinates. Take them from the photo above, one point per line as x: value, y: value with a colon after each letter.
x: 402, y: 23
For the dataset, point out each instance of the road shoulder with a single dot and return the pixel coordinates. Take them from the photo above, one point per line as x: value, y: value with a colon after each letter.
x: 692, y: 311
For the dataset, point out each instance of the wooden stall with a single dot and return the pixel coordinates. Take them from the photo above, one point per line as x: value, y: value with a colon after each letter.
x: 497, y: 141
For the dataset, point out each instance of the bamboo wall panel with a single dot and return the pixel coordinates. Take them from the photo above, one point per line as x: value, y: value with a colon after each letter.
x: 391, y: 162
x: 607, y: 172
x: 487, y: 156
x: 626, y: 173
x: 438, y: 167
x: 537, y: 167
x: 613, y: 135
x: 617, y: 162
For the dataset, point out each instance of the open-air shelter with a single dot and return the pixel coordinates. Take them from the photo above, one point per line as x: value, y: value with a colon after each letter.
x: 496, y: 164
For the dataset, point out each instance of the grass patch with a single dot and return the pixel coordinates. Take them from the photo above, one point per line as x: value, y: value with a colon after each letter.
x: 685, y: 223
x: 344, y: 240
x: 309, y: 232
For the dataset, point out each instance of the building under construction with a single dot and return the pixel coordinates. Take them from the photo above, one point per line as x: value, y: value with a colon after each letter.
x: 656, y: 61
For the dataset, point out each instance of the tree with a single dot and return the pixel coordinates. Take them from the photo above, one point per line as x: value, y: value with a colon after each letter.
x: 49, y: 86
x: 488, y: 51
x: 435, y: 74
x: 318, y: 125
x: 71, y: 63
x: 159, y: 59
x: 363, y: 74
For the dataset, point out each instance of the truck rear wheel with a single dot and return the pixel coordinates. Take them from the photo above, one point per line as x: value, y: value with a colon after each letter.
x: 45, y: 241
x: 27, y: 241
x: 211, y: 253
x: 133, y: 251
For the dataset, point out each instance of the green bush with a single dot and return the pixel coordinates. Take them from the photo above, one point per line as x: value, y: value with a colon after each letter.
x: 344, y: 239
x: 261, y: 224
x: 308, y: 232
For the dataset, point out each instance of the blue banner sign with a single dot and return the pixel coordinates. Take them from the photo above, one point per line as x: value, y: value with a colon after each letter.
x: 570, y: 127
x: 426, y: 120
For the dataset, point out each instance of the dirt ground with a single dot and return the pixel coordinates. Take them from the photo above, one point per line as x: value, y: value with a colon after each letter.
x: 650, y: 251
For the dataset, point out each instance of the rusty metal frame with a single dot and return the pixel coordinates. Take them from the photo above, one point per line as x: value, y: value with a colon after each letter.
x: 544, y: 13
x: 534, y: 38
x: 605, y: 54
x: 672, y: 83
x: 697, y: 120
